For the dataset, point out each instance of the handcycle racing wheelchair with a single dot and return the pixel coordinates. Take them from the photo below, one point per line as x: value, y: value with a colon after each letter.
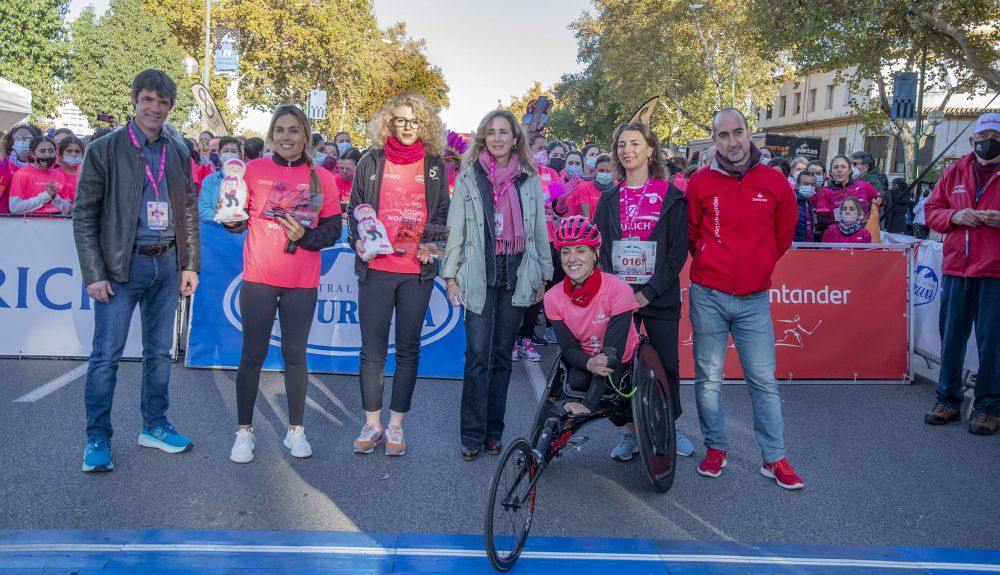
x: 642, y: 392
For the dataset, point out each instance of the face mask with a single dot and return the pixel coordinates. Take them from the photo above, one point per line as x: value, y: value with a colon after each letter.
x: 603, y: 179
x: 214, y: 159
x: 807, y: 191
x: 795, y: 175
x: 72, y: 160
x: 591, y: 162
x: 319, y: 158
x: 21, y: 147
x: 819, y: 181
x: 343, y: 147
x: 849, y: 219
x: 987, y: 150
x: 223, y: 158
x: 541, y: 158
x: 574, y: 170
x: 44, y: 163
x: 855, y: 172
x: 557, y: 164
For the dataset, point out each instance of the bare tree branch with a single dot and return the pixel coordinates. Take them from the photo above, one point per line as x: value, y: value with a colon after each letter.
x: 680, y: 108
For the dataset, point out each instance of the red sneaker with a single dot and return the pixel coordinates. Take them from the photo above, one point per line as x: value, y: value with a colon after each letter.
x: 713, y: 463
x: 782, y: 472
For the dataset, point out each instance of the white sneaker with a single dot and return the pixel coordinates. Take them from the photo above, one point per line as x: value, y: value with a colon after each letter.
x: 243, y: 447
x: 296, y: 441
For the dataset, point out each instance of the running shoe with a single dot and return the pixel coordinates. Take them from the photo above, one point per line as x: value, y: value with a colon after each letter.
x: 550, y: 335
x: 626, y: 449
x: 165, y: 438
x: 295, y: 440
x: 713, y: 463
x: 369, y: 437
x: 528, y: 352
x: 684, y: 445
x: 782, y: 472
x: 242, y: 451
x: 394, y: 443
x: 514, y: 355
x: 97, y: 455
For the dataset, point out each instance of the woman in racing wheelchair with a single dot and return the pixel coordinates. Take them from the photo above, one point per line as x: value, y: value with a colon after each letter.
x: 591, y: 312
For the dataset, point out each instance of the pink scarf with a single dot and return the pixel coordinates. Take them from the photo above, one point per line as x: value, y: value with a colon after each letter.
x: 511, y: 240
x: 401, y: 154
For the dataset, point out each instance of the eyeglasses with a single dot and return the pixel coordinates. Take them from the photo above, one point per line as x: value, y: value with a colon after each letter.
x: 404, y: 122
x: 21, y: 138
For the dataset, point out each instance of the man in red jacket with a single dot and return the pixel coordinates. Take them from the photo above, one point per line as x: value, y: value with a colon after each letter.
x: 965, y: 207
x: 741, y: 219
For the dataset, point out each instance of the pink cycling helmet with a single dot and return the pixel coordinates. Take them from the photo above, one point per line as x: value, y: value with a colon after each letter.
x: 577, y: 231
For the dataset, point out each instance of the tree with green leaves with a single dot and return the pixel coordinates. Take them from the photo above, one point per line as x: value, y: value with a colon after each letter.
x: 870, y: 40
x: 697, y: 60
x: 107, y: 53
x: 33, y: 50
x: 287, y: 49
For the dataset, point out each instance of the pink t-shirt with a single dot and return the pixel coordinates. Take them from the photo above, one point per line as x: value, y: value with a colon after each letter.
x: 7, y: 170
x: 640, y: 208
x: 590, y: 323
x: 587, y: 194
x: 29, y: 182
x: 264, y: 257
x: 833, y: 235
x: 402, y: 196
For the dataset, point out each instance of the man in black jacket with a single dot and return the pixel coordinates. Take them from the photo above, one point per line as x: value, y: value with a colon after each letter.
x: 136, y: 230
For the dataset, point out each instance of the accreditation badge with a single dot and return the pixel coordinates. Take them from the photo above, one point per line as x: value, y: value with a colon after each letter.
x: 156, y: 215
x: 633, y: 261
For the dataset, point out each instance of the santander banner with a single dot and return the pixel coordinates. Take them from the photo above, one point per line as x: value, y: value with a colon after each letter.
x: 838, y: 314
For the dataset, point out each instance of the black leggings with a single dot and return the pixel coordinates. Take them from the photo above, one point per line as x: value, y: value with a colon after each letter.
x: 380, y: 295
x: 663, y: 334
x: 295, y: 308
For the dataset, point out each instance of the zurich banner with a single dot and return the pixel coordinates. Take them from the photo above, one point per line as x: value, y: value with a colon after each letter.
x: 215, y: 337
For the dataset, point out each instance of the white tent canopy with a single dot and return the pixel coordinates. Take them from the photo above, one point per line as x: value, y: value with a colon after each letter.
x: 15, y: 104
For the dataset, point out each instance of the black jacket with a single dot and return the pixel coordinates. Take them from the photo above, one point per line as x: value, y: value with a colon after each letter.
x: 671, y: 236
x: 106, y: 213
x: 368, y: 185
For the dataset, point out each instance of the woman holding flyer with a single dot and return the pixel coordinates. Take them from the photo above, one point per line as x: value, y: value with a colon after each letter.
x: 496, y: 264
x: 399, y: 189
x: 294, y: 212
x: 644, y: 225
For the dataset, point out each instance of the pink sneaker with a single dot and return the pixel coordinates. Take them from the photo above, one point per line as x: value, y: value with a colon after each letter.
x: 527, y: 350
x: 713, y: 463
x: 782, y: 472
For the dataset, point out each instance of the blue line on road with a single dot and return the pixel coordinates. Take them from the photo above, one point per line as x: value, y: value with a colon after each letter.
x: 263, y: 552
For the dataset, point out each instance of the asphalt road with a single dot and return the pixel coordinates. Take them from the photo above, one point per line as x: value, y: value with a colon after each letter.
x: 875, y: 473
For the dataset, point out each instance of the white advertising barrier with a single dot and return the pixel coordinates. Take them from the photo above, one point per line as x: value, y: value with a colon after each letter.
x: 44, y: 307
x: 926, y: 294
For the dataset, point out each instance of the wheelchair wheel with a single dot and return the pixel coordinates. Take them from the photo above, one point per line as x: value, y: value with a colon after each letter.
x: 654, y: 420
x: 511, y: 505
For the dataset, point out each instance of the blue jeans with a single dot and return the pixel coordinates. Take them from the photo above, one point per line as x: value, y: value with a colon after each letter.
x: 489, y: 340
x: 714, y: 315
x: 968, y: 302
x: 153, y: 284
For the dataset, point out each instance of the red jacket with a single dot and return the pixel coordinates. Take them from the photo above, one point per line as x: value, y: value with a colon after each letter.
x: 738, y: 228
x: 956, y: 190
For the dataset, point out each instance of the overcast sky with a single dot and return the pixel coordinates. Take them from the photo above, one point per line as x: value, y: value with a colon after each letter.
x: 486, y: 49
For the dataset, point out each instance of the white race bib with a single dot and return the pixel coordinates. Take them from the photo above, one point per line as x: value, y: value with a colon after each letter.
x: 633, y: 261
x: 156, y: 215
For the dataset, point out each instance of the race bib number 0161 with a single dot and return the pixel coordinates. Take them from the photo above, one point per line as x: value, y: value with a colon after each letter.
x: 634, y: 261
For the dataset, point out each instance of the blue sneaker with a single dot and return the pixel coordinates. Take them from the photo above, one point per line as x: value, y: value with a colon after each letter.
x: 626, y: 449
x: 97, y: 455
x: 165, y: 438
x: 550, y: 335
x: 684, y: 445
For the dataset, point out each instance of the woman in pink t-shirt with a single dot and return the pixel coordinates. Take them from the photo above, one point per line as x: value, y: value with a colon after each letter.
x: 38, y: 188
x: 403, y: 179
x: 70, y: 155
x: 15, y: 156
x: 294, y: 213
x: 591, y: 312
x: 850, y: 229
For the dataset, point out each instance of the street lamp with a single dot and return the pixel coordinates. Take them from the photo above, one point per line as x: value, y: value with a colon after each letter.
x: 935, y: 118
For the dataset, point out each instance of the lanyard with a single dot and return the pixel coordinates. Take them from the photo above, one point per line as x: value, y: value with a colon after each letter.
x: 631, y: 215
x: 149, y: 173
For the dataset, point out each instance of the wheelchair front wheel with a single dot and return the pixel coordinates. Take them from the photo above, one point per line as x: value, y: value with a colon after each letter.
x: 511, y: 505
